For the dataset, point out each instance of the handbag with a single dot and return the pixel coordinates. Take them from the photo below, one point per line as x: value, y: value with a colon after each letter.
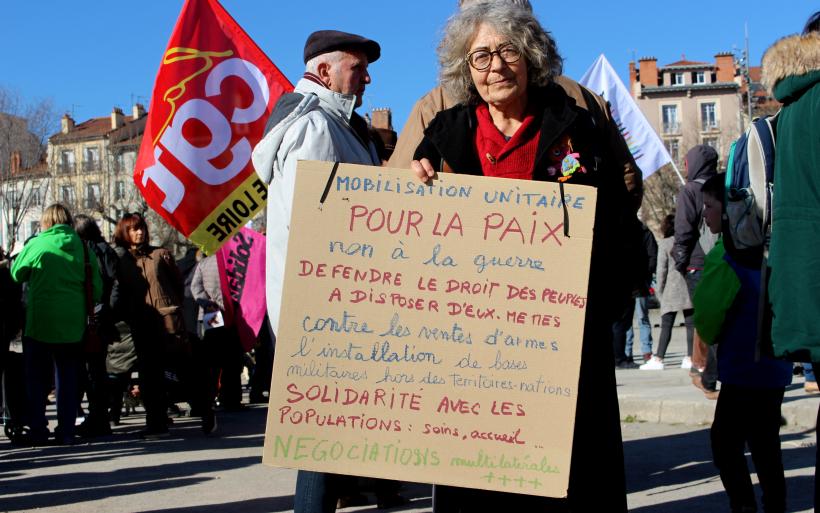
x: 92, y: 341
x: 177, y: 343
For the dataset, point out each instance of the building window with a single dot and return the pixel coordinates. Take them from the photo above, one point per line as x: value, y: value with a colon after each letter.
x: 14, y: 198
x: 714, y: 142
x: 92, y: 195
x: 66, y: 164
x: 677, y: 79
x: 673, y: 147
x: 119, y: 190
x: 36, y: 200
x: 35, y: 227
x: 699, y: 77
x: 671, y: 124
x: 91, y: 159
x: 67, y: 194
x: 708, y: 116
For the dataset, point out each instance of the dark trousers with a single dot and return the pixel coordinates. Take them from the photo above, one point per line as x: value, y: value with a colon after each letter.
x: 749, y: 416
x: 44, y: 363
x: 223, y: 357
x: 261, y: 377
x: 619, y: 329
x: 667, y: 322
x: 151, y: 365
x: 96, y: 388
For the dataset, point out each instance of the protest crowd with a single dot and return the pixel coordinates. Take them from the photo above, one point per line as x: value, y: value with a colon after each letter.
x: 105, y: 325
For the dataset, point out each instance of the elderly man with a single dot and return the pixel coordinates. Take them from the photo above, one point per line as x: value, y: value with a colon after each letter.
x: 315, y: 122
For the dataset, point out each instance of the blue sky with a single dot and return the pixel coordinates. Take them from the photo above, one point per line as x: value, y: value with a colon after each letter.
x: 91, y: 56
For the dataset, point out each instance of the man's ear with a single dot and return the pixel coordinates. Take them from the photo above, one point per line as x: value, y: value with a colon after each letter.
x: 323, y: 71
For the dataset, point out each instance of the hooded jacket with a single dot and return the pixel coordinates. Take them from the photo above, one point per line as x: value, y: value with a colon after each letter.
x: 53, y: 264
x: 701, y: 162
x: 313, y: 123
x: 791, y: 71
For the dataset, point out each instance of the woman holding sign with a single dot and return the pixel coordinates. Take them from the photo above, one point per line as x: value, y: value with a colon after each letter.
x: 518, y: 118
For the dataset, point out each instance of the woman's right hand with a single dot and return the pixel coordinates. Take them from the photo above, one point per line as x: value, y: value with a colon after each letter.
x: 423, y: 169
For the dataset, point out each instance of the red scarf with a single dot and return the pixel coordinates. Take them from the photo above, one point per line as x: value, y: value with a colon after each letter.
x: 498, y: 156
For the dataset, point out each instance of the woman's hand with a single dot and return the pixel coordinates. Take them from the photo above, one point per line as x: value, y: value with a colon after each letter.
x: 423, y: 169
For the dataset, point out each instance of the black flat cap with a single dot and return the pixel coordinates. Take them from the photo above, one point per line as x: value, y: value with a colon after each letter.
x: 325, y: 41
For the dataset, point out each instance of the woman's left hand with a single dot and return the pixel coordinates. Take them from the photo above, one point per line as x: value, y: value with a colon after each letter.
x: 423, y: 169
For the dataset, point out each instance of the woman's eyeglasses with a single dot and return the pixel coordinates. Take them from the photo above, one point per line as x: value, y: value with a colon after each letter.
x: 481, y: 59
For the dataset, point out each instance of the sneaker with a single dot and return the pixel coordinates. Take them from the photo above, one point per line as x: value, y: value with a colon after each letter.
x: 686, y: 363
x: 654, y: 363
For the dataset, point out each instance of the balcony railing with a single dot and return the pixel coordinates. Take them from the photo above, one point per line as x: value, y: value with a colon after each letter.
x: 91, y: 166
x: 710, y: 126
x: 671, y: 128
x: 91, y: 203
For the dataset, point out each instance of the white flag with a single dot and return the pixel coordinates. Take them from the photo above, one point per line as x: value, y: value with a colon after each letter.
x: 645, y: 145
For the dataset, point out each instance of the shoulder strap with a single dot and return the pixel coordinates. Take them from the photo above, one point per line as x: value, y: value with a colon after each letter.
x: 89, y: 294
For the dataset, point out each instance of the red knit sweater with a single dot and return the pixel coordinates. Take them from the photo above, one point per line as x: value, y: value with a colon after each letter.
x: 514, y: 158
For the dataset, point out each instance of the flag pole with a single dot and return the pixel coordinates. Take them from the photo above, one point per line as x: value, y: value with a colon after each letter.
x: 677, y: 172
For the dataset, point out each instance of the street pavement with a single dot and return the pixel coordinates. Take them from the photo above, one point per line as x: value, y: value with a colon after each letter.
x: 666, y: 445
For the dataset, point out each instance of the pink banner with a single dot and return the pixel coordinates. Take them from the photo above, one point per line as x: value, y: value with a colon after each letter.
x: 242, y: 274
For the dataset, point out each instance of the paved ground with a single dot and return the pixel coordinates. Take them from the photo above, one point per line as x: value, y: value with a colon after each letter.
x: 665, y: 429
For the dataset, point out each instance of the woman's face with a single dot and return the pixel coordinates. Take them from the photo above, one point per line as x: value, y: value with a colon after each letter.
x: 501, y: 83
x: 136, y: 234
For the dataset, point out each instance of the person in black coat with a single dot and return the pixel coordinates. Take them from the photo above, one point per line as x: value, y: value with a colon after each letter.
x: 97, y: 421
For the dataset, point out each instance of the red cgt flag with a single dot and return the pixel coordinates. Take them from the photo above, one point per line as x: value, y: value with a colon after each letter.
x: 212, y: 97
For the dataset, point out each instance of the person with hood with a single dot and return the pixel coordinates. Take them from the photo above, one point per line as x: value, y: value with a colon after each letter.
x: 316, y: 122
x: 687, y: 250
x: 791, y: 72
x: 54, y: 266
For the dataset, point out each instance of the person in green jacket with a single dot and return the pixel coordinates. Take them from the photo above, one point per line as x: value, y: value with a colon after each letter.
x: 791, y: 71
x: 53, y: 265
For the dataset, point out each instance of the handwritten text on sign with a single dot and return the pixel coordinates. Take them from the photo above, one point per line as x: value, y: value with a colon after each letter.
x: 431, y: 333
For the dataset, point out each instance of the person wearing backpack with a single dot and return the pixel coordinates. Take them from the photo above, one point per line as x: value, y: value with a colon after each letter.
x: 690, y: 237
x: 748, y: 409
x: 791, y: 72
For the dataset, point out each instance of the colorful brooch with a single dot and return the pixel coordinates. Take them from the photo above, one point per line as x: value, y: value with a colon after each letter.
x: 563, y: 153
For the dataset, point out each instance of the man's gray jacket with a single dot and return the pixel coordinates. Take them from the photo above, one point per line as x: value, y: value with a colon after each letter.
x: 314, y: 124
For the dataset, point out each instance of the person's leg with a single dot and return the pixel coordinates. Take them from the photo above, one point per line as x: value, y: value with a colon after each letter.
x: 619, y: 329
x: 96, y: 423
x: 689, y: 321
x: 630, y: 336
x: 728, y: 437
x: 667, y: 321
x: 316, y: 492
x: 153, y: 390
x: 39, y: 370
x: 642, y: 307
x: 68, y: 361
x: 709, y: 376
x: 764, y: 444
x: 230, y: 392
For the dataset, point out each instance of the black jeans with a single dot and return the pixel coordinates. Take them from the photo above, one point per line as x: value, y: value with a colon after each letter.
x: 667, y: 321
x: 750, y: 416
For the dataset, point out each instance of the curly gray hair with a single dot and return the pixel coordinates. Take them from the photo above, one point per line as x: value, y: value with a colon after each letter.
x: 537, y: 46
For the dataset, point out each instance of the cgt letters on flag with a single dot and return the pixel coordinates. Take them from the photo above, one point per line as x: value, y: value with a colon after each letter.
x: 212, y: 97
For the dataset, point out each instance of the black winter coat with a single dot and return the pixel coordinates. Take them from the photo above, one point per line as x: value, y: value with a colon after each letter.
x: 701, y: 164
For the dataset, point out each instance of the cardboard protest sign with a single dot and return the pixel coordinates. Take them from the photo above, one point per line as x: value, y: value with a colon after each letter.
x: 212, y: 97
x: 431, y: 333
